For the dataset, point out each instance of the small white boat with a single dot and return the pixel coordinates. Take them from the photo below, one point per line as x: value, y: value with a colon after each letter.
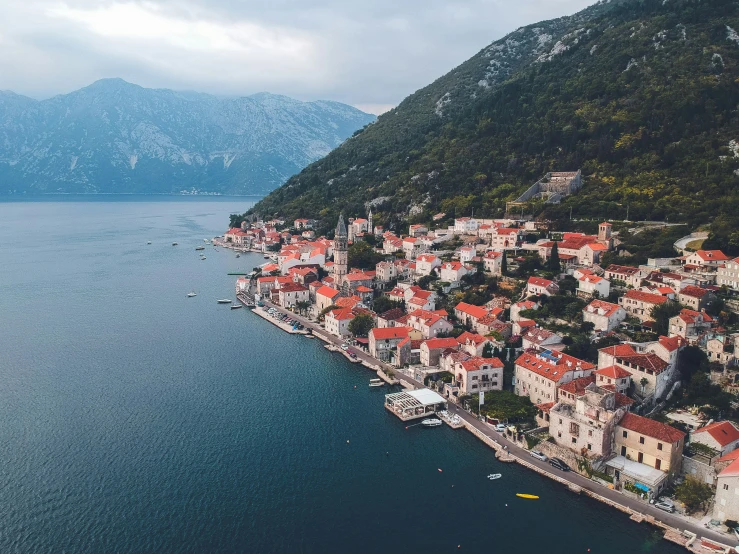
x: 191, y: 294
x: 174, y: 244
x: 224, y: 301
x: 236, y: 306
x: 494, y: 476
x: 200, y: 248
x: 203, y: 258
x: 238, y: 255
x: 206, y: 241
x: 148, y: 242
x: 376, y: 383
x: 433, y: 422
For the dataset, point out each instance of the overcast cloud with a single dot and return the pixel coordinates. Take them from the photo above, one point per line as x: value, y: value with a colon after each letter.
x: 369, y: 53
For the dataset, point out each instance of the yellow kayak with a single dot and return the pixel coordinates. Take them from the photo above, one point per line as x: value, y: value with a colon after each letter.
x: 529, y: 496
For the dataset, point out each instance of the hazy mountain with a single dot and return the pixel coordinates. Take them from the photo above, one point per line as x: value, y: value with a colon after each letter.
x: 642, y: 95
x: 116, y: 137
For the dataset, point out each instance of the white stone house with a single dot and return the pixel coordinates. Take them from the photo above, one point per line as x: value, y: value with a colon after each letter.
x: 603, y: 315
x: 337, y: 322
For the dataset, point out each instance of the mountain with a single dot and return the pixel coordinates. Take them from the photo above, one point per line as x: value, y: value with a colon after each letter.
x: 116, y: 137
x: 642, y: 95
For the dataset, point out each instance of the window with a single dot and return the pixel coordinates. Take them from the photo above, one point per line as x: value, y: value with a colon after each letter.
x: 574, y: 440
x: 626, y: 434
x: 659, y: 446
x: 590, y: 446
x: 641, y: 440
x: 623, y: 451
x: 590, y: 432
x: 640, y: 458
x: 560, y: 421
x: 657, y: 464
x: 726, y: 486
x: 559, y: 434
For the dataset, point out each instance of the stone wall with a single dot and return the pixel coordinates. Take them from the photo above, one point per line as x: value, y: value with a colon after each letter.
x: 699, y: 470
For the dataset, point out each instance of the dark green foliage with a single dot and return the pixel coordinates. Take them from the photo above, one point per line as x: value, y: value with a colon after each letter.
x: 505, y: 405
x: 363, y: 256
x: 693, y: 493
x: 382, y: 304
x: 652, y: 139
x: 553, y: 263
x: 361, y: 325
x: 661, y: 315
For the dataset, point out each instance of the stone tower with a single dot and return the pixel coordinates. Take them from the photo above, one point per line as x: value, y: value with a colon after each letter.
x: 370, y: 227
x: 604, y: 232
x: 341, y: 251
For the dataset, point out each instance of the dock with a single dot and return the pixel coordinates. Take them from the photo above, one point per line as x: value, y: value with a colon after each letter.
x: 282, y: 325
x: 452, y: 420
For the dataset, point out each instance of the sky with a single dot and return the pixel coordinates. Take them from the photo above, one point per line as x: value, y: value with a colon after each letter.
x: 367, y: 53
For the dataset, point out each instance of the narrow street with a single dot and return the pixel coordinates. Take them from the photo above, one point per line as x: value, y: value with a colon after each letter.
x: 673, y: 520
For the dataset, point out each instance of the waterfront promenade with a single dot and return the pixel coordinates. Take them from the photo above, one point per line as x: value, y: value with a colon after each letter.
x: 574, y: 481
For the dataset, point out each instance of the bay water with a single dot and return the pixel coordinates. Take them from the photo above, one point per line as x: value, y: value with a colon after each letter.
x: 136, y: 419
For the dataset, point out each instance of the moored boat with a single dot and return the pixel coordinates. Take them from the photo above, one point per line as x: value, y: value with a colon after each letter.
x: 224, y: 301
x: 376, y: 383
x: 174, y: 244
x: 200, y: 248
x: 528, y: 496
x: 494, y: 476
x: 236, y: 306
x: 191, y: 294
x: 433, y: 422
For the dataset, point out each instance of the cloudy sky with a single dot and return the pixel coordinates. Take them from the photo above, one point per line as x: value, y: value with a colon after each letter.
x: 369, y: 53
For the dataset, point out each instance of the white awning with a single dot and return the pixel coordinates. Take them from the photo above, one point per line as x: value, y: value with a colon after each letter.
x: 640, y: 473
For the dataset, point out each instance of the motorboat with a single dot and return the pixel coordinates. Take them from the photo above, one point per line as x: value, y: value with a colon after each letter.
x: 238, y: 255
x: 224, y: 301
x: 236, y: 306
x: 527, y: 496
x: 174, y: 244
x: 148, y: 242
x: 200, y: 248
x: 433, y: 422
x: 376, y: 383
x: 494, y: 476
x: 191, y: 294
x: 206, y: 241
x: 203, y: 258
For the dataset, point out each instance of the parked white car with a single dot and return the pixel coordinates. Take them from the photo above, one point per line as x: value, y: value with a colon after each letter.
x: 538, y: 455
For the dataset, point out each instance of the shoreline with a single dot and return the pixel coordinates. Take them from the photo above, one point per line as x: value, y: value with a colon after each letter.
x: 673, y: 533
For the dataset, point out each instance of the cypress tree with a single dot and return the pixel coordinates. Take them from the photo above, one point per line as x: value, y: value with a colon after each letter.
x: 554, y: 264
x: 504, y: 264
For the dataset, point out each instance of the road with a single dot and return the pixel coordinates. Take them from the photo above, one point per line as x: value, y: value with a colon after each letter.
x: 673, y: 520
x: 683, y: 242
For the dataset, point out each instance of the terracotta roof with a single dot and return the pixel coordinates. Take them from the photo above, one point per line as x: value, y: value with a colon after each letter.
x: 493, y: 255
x: 538, y: 336
x: 539, y: 282
x: 472, y: 310
x: 328, y: 292
x: 547, y: 367
x: 622, y: 269
x: 651, y: 428
x: 645, y: 297
x: 475, y: 363
x: 712, y: 255
x: 546, y: 407
x: 470, y: 337
x: 671, y: 343
x: 695, y: 292
x: 292, y: 287
x: 618, y: 350
x: 723, y: 432
x: 392, y: 315
x: 432, y: 344
x: 596, y: 305
x: 342, y: 314
x: 614, y: 372
x: 362, y: 288
x: 577, y: 386
x: 348, y: 302
x: 389, y: 333
x: 732, y: 470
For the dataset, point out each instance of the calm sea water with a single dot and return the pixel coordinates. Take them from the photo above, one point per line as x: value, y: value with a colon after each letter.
x: 135, y: 419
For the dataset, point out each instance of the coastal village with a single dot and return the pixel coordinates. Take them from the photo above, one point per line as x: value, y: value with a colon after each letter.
x: 623, y: 374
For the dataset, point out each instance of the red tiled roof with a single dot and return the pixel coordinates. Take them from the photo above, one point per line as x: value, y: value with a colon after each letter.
x: 546, y: 407
x: 618, y: 350
x: 672, y: 343
x: 389, y: 333
x: 472, y: 337
x: 362, y: 288
x: 648, y: 361
x: 342, y: 314
x: 539, y: 282
x: 645, y: 297
x: 392, y: 315
x: 614, y: 372
x: 328, y: 292
x: 695, y: 292
x: 597, y: 305
x: 550, y: 370
x: 475, y: 363
x: 622, y: 269
x: 578, y: 386
x: 472, y: 310
x: 432, y: 344
x: 651, y: 428
x: 712, y: 255
x: 723, y: 432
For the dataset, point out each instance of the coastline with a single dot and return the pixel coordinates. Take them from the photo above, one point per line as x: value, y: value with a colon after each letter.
x: 676, y: 529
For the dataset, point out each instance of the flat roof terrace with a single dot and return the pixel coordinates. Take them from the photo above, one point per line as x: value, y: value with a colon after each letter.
x: 415, y: 404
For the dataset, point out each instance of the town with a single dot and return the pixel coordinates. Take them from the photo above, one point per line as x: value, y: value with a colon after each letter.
x: 624, y: 374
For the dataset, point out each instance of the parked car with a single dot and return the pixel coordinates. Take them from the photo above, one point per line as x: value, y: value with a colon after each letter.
x: 665, y: 506
x: 538, y: 455
x: 559, y: 464
x: 500, y: 428
x: 344, y: 347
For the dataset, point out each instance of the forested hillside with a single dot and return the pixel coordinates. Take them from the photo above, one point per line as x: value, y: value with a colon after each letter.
x: 641, y: 95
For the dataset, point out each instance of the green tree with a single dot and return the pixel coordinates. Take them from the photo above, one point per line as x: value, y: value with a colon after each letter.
x: 363, y: 256
x: 361, y: 325
x: 504, y: 264
x: 505, y: 405
x: 382, y: 304
x: 554, y: 264
x: 693, y: 493
x: 661, y: 315
x: 326, y: 310
x: 302, y: 306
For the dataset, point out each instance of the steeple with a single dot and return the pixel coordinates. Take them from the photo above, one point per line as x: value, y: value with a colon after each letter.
x: 370, y: 227
x: 340, y: 227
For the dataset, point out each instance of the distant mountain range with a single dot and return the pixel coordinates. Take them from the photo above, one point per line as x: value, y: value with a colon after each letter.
x: 642, y: 95
x: 117, y: 137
